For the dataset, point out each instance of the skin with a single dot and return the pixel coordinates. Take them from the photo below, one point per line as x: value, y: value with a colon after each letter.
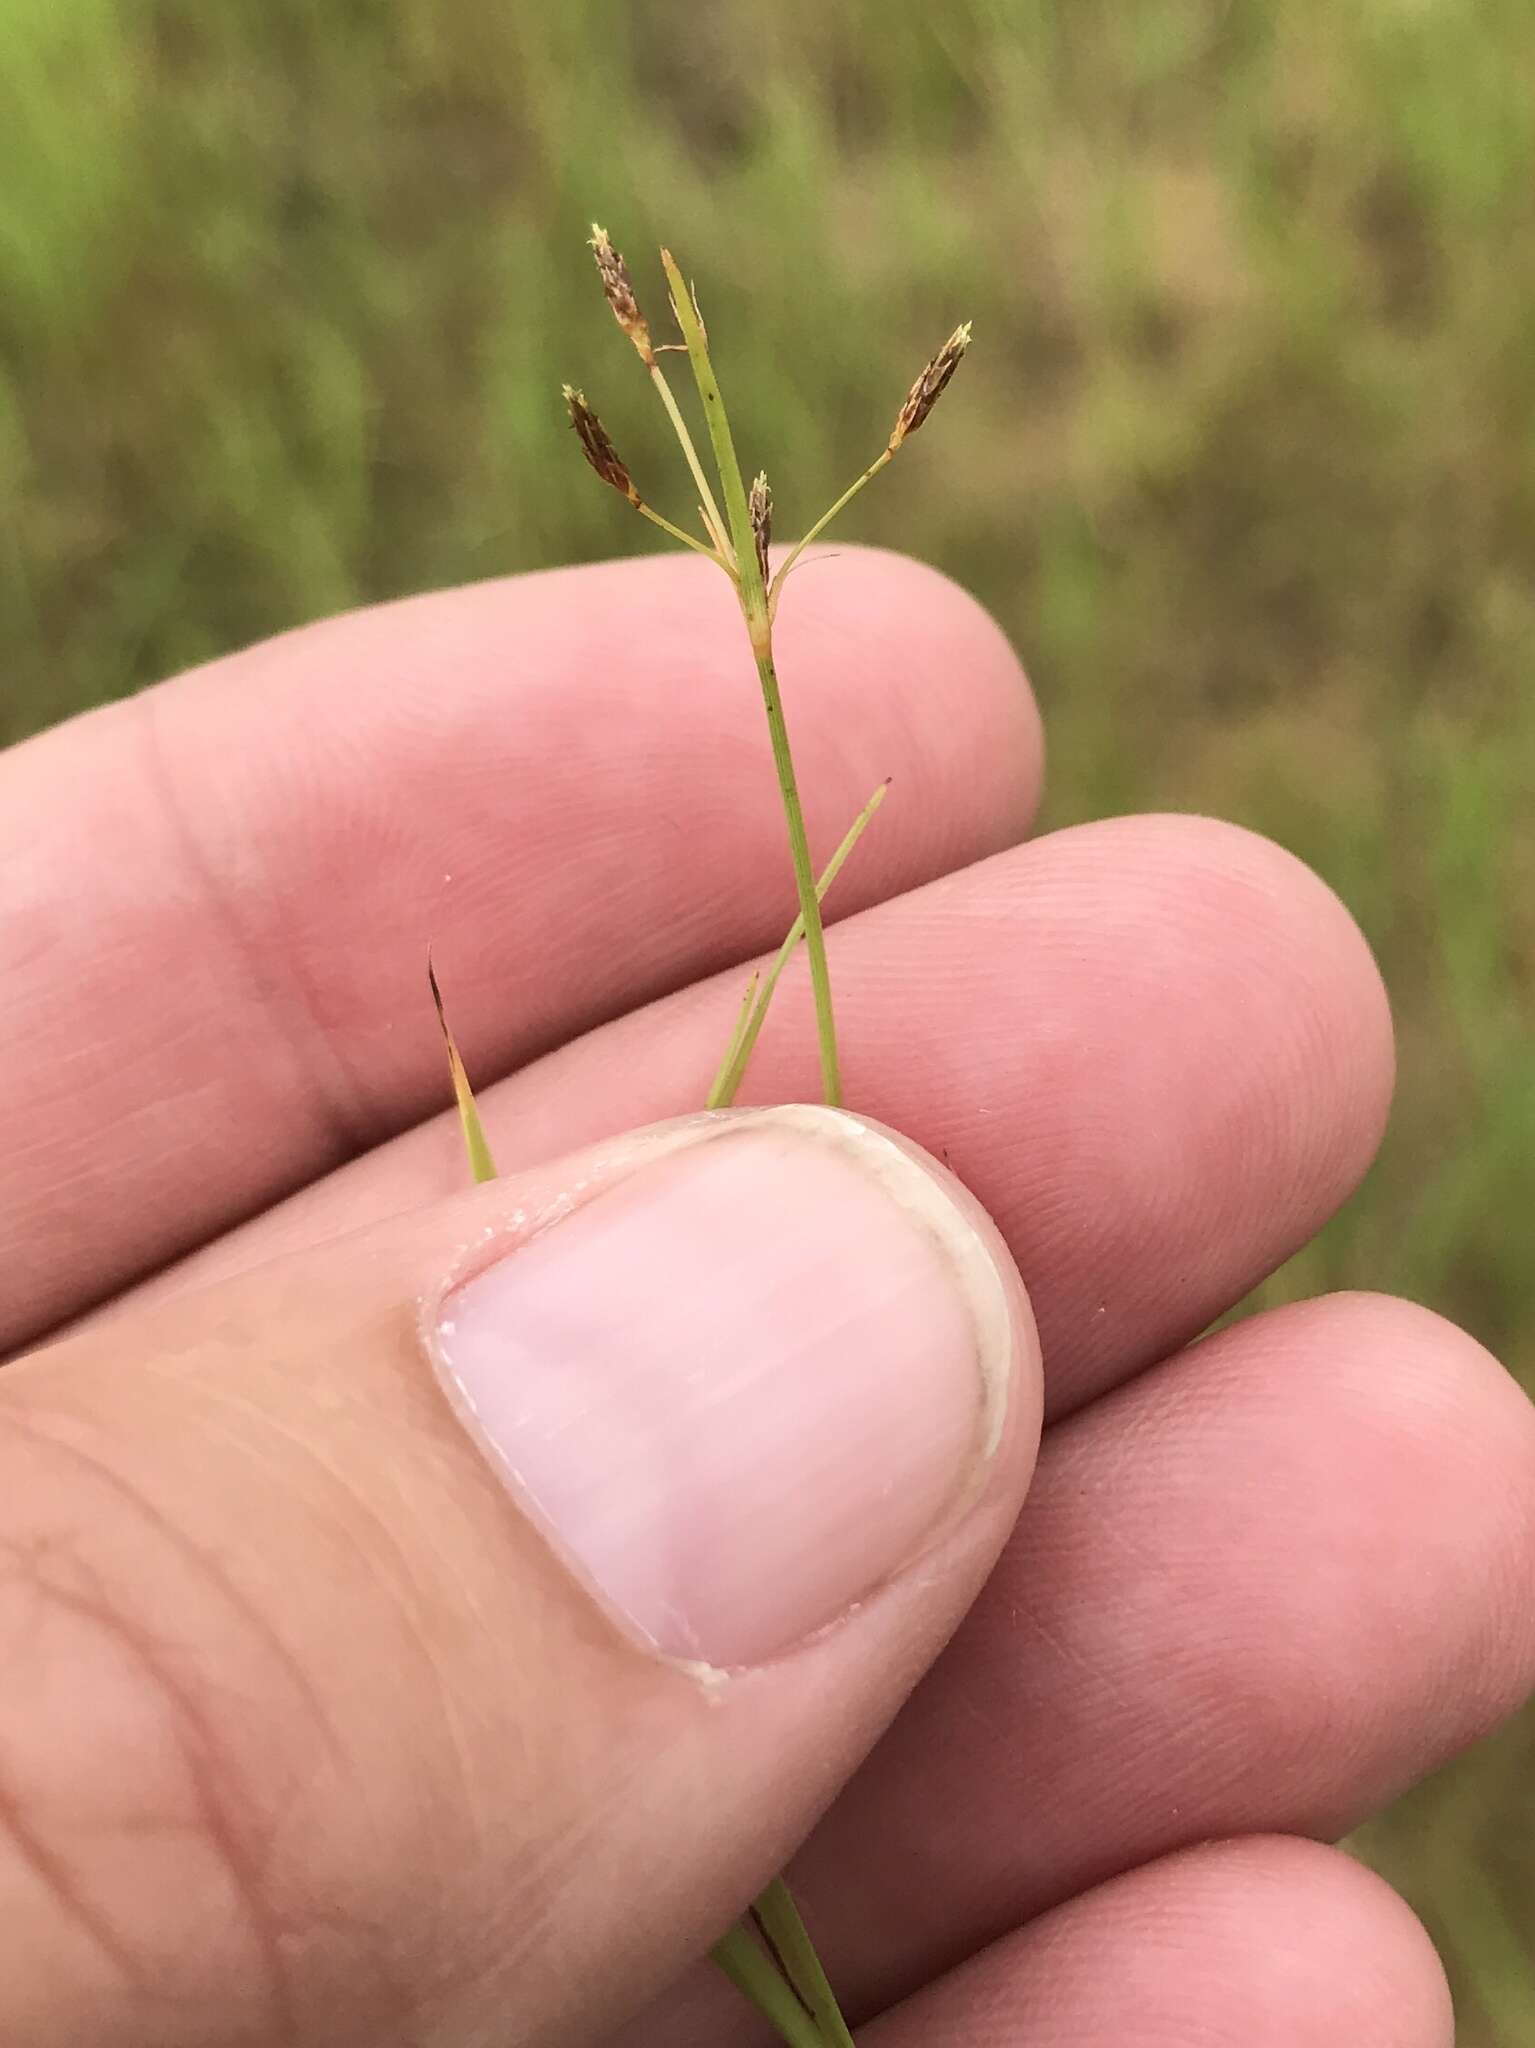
x: 1072, y: 1781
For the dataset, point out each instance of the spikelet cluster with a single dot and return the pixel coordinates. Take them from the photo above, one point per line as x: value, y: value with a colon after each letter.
x: 930, y: 386
x: 759, y: 506
x: 597, y: 445
x: 598, y: 448
x: 618, y: 289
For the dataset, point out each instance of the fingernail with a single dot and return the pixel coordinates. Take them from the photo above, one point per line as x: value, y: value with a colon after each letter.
x: 744, y: 1385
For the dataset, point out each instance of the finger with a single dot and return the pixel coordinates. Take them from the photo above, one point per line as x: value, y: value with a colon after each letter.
x: 1263, y: 1588
x: 1252, y: 1944
x: 444, y: 1634
x: 1157, y: 1048
x: 216, y: 900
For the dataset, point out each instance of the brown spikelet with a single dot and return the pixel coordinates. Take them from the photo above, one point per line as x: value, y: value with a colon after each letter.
x: 618, y: 288
x: 929, y: 387
x: 759, y: 505
x: 595, y: 445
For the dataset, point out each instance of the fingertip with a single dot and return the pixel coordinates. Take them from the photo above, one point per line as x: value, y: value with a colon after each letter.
x: 1253, y: 930
x: 1343, y: 1000
x: 1304, y: 1936
x: 907, y: 631
x: 1249, y: 885
x: 1267, y: 1940
x: 1461, y: 1425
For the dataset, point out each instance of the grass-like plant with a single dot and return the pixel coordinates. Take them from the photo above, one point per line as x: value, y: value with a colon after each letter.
x: 768, y: 1955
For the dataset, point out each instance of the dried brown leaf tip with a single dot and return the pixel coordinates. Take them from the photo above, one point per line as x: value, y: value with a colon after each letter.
x: 595, y: 445
x: 759, y: 505
x: 618, y: 288
x: 929, y: 387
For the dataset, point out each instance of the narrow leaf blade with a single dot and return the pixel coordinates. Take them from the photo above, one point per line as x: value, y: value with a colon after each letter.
x: 481, y: 1164
x: 748, y: 1029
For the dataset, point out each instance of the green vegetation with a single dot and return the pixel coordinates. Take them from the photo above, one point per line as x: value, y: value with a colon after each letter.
x: 1245, y: 458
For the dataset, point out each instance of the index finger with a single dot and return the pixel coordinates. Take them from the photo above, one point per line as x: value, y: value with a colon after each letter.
x: 215, y: 901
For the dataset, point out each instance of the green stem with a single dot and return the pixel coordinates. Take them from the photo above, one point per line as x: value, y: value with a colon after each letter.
x: 804, y: 880
x: 726, y: 1080
x: 787, y: 1932
x: 680, y: 425
x: 689, y: 540
x: 754, y: 605
x: 758, y: 1978
x: 754, y: 1009
x: 823, y: 522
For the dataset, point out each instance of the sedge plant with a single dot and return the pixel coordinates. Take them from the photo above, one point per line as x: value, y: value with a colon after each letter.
x: 768, y: 1955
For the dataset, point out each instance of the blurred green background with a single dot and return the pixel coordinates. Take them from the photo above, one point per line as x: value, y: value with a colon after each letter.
x: 1244, y: 457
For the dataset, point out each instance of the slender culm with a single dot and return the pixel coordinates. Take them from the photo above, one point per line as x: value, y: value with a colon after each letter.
x: 769, y: 1956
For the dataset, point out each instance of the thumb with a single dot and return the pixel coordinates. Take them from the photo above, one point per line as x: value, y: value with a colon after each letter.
x: 441, y: 1634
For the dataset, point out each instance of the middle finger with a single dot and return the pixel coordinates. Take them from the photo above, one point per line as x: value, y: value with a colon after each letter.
x: 1156, y: 1049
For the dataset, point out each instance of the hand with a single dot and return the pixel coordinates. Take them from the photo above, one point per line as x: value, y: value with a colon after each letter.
x: 314, y: 1728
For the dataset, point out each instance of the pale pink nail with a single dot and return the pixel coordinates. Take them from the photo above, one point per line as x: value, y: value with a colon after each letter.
x: 745, y: 1384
